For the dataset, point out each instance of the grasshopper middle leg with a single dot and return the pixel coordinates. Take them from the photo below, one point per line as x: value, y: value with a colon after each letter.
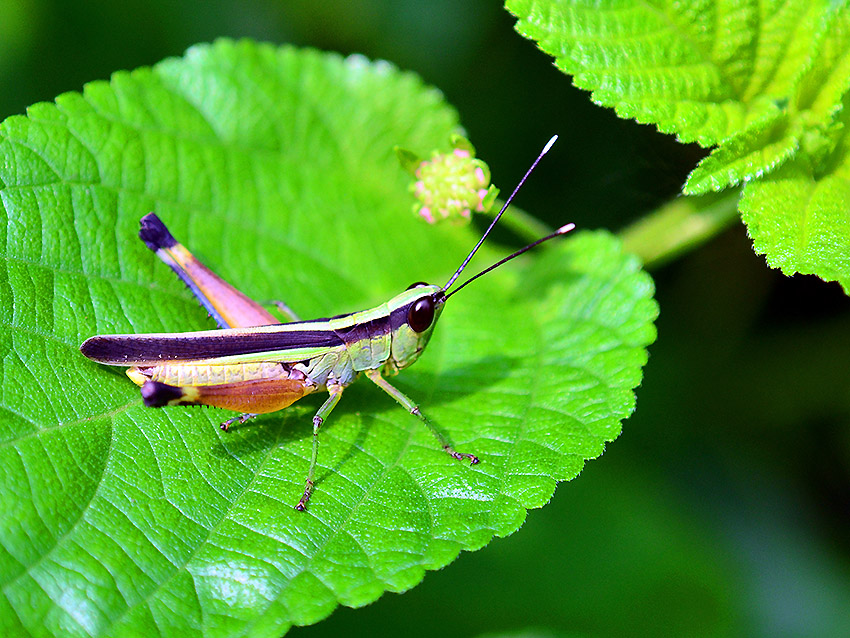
x: 335, y: 394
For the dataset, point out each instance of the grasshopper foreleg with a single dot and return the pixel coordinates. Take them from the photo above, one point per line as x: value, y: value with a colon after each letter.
x: 410, y: 406
x: 335, y: 393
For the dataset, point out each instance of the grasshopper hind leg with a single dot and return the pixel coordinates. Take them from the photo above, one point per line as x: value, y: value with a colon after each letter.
x: 229, y: 307
x: 252, y: 397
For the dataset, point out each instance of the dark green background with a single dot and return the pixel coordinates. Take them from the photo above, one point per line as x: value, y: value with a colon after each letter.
x: 723, y: 509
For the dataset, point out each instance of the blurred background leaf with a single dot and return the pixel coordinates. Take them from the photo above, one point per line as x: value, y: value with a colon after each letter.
x: 742, y: 437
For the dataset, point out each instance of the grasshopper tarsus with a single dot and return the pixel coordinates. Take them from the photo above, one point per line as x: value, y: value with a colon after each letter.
x: 242, y: 418
x: 460, y: 456
x: 308, y: 490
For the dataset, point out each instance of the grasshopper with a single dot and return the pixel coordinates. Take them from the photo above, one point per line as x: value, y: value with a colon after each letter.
x: 255, y: 364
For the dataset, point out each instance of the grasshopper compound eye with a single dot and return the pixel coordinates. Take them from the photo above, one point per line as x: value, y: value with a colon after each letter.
x: 418, y: 284
x: 421, y: 314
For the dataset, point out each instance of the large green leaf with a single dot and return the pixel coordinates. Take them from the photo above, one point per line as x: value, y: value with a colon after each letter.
x: 797, y: 215
x: 703, y: 70
x: 766, y: 81
x: 754, y: 77
x: 275, y: 166
x: 801, y: 128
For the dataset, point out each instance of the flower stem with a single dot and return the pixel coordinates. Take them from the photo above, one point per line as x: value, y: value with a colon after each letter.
x: 679, y: 226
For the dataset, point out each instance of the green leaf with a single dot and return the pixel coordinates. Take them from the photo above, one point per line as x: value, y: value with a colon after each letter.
x: 825, y: 82
x: 703, y: 70
x: 276, y: 167
x: 756, y: 150
x: 767, y: 81
x: 765, y: 146
x: 797, y: 217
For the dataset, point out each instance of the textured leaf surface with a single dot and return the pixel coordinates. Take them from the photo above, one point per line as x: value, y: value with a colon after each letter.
x: 703, y: 70
x: 798, y: 216
x: 276, y: 167
x: 801, y: 129
x: 766, y: 81
x: 758, y: 149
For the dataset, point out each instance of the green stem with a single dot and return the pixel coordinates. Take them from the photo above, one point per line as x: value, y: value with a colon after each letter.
x: 660, y: 236
x: 679, y: 226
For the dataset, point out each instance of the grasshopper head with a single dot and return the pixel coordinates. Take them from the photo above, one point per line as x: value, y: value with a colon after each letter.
x: 413, y: 315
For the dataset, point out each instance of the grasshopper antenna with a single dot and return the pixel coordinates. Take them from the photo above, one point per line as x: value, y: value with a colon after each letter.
x: 496, y: 219
x: 561, y: 231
